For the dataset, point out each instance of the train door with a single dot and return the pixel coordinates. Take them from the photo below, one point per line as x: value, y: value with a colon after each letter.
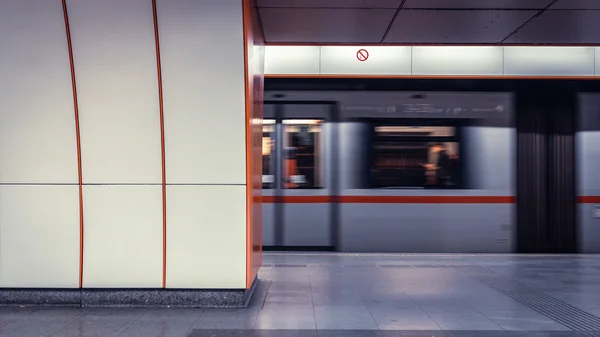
x: 269, y: 181
x: 298, y: 180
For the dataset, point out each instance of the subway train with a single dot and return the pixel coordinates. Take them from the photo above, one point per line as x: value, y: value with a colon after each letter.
x: 428, y: 172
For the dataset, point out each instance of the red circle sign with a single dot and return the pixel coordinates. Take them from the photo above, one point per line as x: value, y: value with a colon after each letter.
x: 362, y: 55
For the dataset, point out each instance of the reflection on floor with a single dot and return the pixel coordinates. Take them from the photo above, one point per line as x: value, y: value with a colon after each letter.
x: 354, y: 295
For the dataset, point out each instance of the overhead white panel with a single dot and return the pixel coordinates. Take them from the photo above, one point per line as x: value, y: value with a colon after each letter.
x: 549, y: 61
x: 115, y: 63
x: 381, y: 60
x: 202, y: 50
x: 37, y: 123
x: 123, y: 237
x: 39, y: 236
x: 206, y: 233
x: 292, y: 59
x: 449, y: 60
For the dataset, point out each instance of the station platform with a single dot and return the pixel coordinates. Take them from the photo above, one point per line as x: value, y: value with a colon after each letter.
x: 355, y: 295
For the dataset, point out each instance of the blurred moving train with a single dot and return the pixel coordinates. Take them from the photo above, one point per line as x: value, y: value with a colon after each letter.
x: 368, y: 171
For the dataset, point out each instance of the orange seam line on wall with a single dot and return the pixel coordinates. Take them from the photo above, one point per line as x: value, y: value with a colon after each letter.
x: 162, y: 144
x: 78, y: 138
x: 248, y: 116
x: 432, y: 77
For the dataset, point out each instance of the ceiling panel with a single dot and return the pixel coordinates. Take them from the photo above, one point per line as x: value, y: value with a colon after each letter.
x: 325, y: 25
x: 443, y: 26
x: 576, y: 26
x: 330, y: 3
x: 576, y: 4
x: 462, y: 4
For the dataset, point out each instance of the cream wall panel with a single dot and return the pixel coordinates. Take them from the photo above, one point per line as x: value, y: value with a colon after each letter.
x: 549, y: 61
x: 449, y: 60
x: 39, y: 236
x: 206, y: 237
x: 381, y: 61
x: 204, y: 95
x: 123, y: 236
x: 37, y: 128
x: 292, y: 60
x: 115, y: 64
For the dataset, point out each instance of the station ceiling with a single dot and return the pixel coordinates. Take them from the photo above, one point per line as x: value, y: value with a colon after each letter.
x: 431, y: 21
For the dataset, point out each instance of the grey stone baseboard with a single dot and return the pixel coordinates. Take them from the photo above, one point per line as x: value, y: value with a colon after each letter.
x: 150, y: 298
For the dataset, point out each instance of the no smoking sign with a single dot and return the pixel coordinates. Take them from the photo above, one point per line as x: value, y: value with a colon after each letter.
x: 362, y: 55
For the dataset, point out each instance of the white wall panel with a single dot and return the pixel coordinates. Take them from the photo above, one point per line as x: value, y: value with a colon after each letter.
x: 292, y: 60
x: 204, y: 98
x: 381, y: 61
x: 39, y: 236
x: 115, y: 64
x: 206, y: 233
x: 549, y: 61
x: 123, y: 236
x: 457, y: 60
x: 37, y: 123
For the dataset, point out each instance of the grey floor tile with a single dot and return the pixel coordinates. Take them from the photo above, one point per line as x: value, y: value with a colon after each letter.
x: 96, y: 327
x: 433, y: 306
x: 253, y: 333
x: 528, y: 324
x: 397, y: 319
x: 12, y: 314
x: 331, y: 291
x: 464, y: 322
x: 286, y: 318
x: 417, y: 333
x: 349, y: 333
x: 226, y: 319
x: 221, y: 333
x: 404, y: 304
x: 34, y: 327
x: 344, y: 317
x: 163, y: 323
x: 289, y: 297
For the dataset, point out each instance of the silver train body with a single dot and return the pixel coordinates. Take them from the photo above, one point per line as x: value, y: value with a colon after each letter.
x: 353, y: 196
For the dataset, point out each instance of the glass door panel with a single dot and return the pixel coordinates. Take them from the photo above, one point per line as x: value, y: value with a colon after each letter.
x: 268, y: 154
x: 302, y: 147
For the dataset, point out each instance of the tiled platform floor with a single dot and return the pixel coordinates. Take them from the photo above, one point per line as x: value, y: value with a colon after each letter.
x: 354, y: 295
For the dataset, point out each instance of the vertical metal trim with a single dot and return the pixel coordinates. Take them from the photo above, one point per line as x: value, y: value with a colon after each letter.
x: 278, y: 188
x: 334, y: 189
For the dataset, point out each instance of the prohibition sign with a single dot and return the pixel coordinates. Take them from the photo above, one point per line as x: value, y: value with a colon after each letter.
x: 362, y: 55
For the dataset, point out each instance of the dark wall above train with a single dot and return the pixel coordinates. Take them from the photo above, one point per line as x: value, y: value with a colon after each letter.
x: 431, y: 21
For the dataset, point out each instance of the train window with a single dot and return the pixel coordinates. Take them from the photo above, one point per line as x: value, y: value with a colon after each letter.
x: 302, y: 142
x: 268, y: 149
x: 415, y: 156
